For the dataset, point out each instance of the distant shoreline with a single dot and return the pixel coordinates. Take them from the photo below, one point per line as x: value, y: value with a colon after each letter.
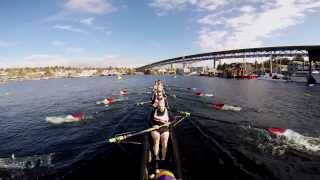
x: 22, y: 74
x: 49, y: 78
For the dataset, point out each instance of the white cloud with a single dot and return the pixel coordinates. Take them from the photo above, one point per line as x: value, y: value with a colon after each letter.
x: 90, y: 6
x: 87, y: 21
x: 71, y: 9
x: 247, y: 9
x: 240, y: 21
x: 169, y: 5
x: 229, y: 24
x: 166, y: 5
x: 211, y: 19
x: 57, y: 43
x: 209, y: 4
x: 6, y: 44
x: 70, y: 28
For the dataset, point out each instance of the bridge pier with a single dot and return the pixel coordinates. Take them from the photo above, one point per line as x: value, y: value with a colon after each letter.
x: 314, y: 55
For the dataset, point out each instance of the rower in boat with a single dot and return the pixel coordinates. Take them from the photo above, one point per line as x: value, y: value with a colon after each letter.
x: 159, y: 99
x: 158, y: 87
x: 160, y: 117
x: 160, y: 167
x: 158, y: 164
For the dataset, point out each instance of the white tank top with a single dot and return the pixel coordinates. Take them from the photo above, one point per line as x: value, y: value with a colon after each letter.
x: 163, y: 119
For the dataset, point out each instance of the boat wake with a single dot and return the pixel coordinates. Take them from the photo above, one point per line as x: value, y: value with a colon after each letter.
x: 221, y: 106
x: 61, y: 119
x: 29, y: 162
x: 280, y: 141
x: 293, y: 140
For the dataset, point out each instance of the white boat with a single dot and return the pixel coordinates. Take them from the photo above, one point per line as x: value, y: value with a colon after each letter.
x: 275, y: 77
x: 315, y: 72
x: 193, y: 74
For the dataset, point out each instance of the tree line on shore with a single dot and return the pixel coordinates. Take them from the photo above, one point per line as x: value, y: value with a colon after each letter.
x: 34, y: 72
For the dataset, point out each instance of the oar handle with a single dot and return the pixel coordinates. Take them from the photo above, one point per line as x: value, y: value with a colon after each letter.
x: 117, y: 139
x: 99, y: 102
x: 142, y: 103
x: 186, y: 114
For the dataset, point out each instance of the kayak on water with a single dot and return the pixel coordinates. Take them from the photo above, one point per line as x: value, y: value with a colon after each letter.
x: 198, y: 93
x: 221, y: 106
x: 108, y: 101
x: 111, y: 100
x: 74, y: 117
x: 78, y: 116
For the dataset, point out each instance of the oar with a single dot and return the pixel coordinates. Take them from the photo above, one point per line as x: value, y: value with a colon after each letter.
x: 142, y: 103
x: 99, y: 102
x: 124, y: 136
x: 194, y: 100
x: 172, y: 95
x: 230, y: 123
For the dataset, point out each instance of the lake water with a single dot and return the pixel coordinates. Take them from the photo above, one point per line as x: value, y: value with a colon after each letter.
x: 212, y: 143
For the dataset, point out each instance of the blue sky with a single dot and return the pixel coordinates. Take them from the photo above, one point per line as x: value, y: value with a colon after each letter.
x: 136, y: 32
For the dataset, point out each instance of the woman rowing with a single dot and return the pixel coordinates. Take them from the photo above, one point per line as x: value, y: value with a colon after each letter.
x: 159, y: 98
x: 158, y: 86
x: 161, y: 117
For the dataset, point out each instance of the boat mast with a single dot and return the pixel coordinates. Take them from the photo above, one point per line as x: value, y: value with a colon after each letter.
x: 280, y: 66
x: 271, y: 65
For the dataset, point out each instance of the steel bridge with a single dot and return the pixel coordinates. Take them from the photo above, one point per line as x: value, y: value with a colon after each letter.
x: 313, y: 52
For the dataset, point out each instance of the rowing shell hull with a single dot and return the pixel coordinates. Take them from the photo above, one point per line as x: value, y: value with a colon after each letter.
x: 171, y: 163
